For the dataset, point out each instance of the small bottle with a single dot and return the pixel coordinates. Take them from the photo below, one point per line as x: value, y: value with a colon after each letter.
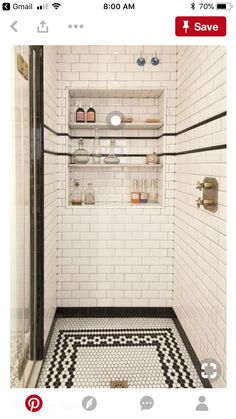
x: 143, y: 193
x: 89, y: 195
x: 112, y: 158
x: 80, y: 114
x: 76, y: 194
x: 96, y: 152
x: 135, y: 195
x: 153, y: 195
x: 91, y: 114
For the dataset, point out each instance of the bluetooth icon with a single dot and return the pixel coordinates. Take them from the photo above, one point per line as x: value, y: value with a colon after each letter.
x: 192, y: 6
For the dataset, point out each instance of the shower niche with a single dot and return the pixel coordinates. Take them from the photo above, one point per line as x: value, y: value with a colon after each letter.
x: 143, y: 114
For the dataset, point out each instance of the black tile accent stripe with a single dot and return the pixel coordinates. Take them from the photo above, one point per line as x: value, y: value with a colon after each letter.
x: 64, y: 312
x: 167, y: 134
x: 204, y: 122
x: 179, y: 153
x: 58, y: 134
x: 197, y: 150
x: 54, y: 153
x: 203, y: 149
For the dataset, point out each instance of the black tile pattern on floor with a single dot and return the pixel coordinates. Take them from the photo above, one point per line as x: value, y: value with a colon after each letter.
x: 92, y: 357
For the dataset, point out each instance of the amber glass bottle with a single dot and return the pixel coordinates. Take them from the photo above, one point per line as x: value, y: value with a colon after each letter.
x: 91, y: 114
x: 80, y: 114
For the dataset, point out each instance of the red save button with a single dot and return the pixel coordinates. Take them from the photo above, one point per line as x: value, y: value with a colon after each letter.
x: 200, y: 26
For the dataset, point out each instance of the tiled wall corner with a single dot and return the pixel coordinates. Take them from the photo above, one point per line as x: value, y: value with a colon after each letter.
x: 200, y: 243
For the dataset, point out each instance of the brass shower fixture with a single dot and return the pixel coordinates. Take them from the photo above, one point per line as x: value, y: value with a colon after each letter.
x: 209, y: 188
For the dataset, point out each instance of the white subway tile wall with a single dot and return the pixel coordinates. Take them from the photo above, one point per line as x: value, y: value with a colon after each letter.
x: 200, y: 249
x: 50, y: 187
x: 116, y: 256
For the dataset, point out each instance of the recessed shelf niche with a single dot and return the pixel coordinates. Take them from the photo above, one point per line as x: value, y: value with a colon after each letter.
x: 113, y: 183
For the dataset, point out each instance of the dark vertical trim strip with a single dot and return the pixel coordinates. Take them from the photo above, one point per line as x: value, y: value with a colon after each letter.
x: 37, y: 203
x: 32, y: 198
x: 197, y: 364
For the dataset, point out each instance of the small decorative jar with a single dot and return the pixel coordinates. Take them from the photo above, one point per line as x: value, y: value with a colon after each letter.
x: 80, y: 156
x: 152, y: 158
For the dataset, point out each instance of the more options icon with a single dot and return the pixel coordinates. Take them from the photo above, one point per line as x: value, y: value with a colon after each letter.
x: 146, y: 403
x: 6, y: 6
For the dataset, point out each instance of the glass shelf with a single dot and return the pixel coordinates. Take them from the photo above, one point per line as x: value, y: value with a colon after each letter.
x: 103, y: 125
x: 115, y: 205
x: 102, y: 165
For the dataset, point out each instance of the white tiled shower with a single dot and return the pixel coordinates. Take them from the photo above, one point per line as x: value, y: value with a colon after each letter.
x: 172, y: 255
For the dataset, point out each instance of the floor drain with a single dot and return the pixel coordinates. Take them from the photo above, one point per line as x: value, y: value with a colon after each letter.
x: 119, y: 384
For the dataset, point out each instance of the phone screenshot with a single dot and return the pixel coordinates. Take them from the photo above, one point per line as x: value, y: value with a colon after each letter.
x: 118, y: 167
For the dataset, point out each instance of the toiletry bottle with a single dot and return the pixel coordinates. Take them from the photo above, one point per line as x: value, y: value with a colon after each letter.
x: 96, y: 151
x: 89, y: 196
x: 153, y: 195
x: 80, y: 114
x: 143, y: 193
x: 135, y: 195
x: 91, y: 114
x: 76, y: 194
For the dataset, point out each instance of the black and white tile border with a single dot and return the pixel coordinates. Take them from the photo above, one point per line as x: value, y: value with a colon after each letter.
x: 93, y: 352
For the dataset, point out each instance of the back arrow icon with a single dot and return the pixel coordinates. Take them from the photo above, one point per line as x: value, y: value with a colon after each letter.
x: 13, y: 26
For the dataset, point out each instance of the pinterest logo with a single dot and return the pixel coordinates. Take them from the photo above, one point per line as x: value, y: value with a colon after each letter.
x: 34, y: 403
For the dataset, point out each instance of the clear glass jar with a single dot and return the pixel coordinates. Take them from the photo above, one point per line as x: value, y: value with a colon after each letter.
x: 89, y: 195
x: 153, y: 195
x: 143, y: 192
x: 112, y: 158
x: 80, y: 155
x: 96, y: 152
x: 135, y: 195
x: 76, y: 194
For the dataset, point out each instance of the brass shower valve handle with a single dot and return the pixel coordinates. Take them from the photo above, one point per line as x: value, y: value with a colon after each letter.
x: 204, y: 202
x: 209, y: 198
x: 199, y: 202
x: 200, y: 185
x: 204, y: 185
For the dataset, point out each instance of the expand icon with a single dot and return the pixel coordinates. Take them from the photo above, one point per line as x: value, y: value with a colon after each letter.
x: 210, y: 369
